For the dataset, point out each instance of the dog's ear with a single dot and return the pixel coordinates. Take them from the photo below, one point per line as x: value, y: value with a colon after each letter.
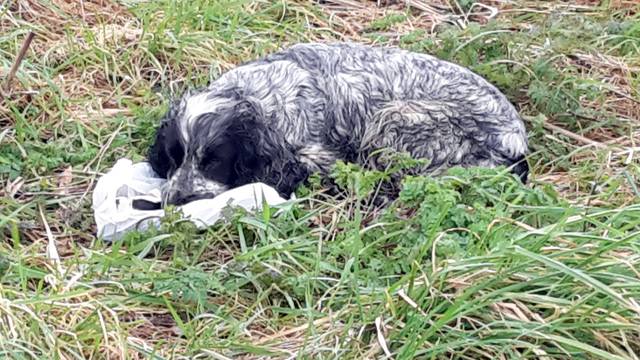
x: 167, y: 152
x: 263, y: 154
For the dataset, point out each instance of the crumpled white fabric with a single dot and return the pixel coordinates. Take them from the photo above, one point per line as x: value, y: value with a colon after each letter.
x: 126, y: 181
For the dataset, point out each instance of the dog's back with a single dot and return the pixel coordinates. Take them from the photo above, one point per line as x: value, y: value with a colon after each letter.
x: 388, y: 97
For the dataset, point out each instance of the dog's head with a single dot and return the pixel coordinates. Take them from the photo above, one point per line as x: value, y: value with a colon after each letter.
x: 206, y: 145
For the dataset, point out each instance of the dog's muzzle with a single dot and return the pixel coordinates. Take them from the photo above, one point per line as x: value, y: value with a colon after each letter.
x: 187, y: 185
x: 179, y: 197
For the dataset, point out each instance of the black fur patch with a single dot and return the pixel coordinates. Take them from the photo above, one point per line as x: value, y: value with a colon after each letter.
x: 167, y: 152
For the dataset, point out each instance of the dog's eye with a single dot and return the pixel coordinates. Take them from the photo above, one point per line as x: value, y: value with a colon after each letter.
x: 210, y: 162
x: 214, y: 162
x: 217, y: 158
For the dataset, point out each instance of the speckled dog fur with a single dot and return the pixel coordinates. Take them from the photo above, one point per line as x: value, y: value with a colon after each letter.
x: 297, y: 111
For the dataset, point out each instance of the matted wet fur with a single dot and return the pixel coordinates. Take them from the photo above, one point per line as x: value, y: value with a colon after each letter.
x: 294, y: 112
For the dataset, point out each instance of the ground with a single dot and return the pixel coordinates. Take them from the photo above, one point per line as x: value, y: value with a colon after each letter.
x: 471, y: 265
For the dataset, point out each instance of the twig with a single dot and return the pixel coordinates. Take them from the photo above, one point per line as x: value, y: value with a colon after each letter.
x: 19, y: 58
x: 573, y: 135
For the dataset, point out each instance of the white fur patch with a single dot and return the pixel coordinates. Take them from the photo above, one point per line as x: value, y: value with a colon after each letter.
x: 195, y: 106
x: 317, y: 158
x: 515, y: 143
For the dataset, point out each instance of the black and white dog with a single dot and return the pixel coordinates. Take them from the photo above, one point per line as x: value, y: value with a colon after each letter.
x: 278, y: 119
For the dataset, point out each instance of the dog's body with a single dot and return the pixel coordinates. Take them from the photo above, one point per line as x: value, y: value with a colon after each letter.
x: 298, y: 111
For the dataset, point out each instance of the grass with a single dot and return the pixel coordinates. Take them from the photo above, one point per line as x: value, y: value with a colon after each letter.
x: 471, y: 265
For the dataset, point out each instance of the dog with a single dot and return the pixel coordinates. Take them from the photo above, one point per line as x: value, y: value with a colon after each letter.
x: 297, y: 111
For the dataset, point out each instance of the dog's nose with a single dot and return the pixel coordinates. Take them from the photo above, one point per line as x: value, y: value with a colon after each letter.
x: 179, y: 197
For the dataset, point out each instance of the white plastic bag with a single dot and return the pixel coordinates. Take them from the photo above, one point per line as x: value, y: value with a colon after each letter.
x: 125, y: 182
